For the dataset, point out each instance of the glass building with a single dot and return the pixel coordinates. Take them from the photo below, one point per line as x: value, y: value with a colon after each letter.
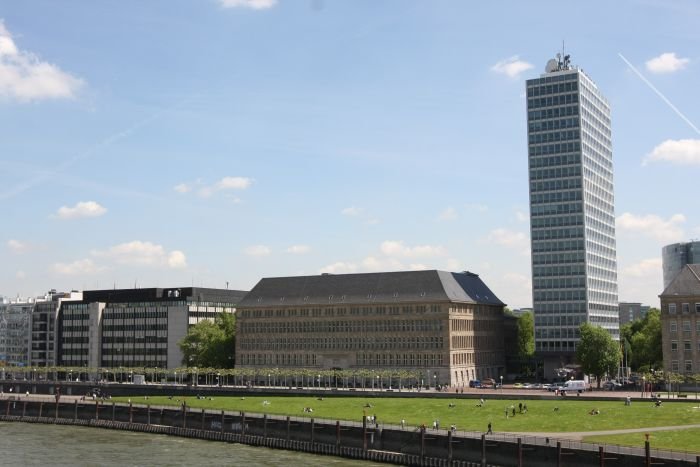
x: 572, y: 215
x: 677, y: 255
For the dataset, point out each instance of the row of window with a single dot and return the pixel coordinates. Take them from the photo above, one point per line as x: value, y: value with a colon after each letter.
x: 329, y: 312
x: 344, y: 326
x: 555, y: 234
x: 549, y: 101
x: 555, y: 197
x: 688, y: 367
x: 341, y: 343
x: 685, y: 308
x: 553, y: 112
x: 550, y: 125
x: 558, y: 148
x: 555, y: 209
x: 687, y: 346
x: 673, y: 326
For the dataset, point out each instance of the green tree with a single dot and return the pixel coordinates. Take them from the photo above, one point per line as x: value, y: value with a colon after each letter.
x: 597, y: 352
x: 644, y: 337
x: 526, y: 335
x: 210, y: 344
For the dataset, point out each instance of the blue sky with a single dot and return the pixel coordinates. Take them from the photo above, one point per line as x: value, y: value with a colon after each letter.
x: 206, y: 142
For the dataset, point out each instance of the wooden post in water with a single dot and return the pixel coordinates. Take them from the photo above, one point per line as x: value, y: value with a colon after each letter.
x: 520, y: 452
x: 265, y: 426
x: 75, y: 410
x: 558, y: 453
x: 148, y: 416
x: 97, y: 409
x: 601, y: 456
x: 131, y: 413
x: 312, y: 431
x: 223, y: 420
x: 41, y: 408
x: 647, y: 453
x: 449, y: 447
x: 24, y: 408
x: 114, y: 412
x: 364, y: 433
x: 201, y: 425
x: 337, y: 432
x: 242, y: 423
x: 289, y: 423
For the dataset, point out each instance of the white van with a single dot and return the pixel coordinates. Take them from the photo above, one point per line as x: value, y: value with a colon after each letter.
x: 574, y: 385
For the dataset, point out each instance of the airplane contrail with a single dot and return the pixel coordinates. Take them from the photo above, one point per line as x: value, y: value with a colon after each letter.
x: 89, y: 152
x: 658, y: 93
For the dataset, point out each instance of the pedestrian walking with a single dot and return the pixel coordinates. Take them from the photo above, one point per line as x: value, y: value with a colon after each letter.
x: 489, y: 432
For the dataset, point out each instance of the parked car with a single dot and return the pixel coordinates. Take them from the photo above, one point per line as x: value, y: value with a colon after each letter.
x: 475, y: 383
x: 611, y: 385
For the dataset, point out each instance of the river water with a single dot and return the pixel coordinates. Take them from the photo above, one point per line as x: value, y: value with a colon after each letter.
x: 29, y: 444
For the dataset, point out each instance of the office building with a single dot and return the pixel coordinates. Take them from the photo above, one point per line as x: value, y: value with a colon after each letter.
x: 14, y: 331
x: 448, y: 326
x: 674, y: 257
x: 572, y: 215
x: 680, y: 322
x: 135, y: 327
x: 630, y: 311
x: 42, y: 338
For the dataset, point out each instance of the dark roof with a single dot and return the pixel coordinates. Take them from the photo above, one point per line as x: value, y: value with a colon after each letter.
x: 163, y: 294
x: 381, y: 287
x: 686, y: 282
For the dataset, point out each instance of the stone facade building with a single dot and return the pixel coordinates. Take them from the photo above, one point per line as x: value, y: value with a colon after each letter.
x: 448, y: 326
x: 680, y: 321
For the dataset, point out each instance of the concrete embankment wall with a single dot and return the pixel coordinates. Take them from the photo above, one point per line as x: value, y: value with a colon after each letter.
x: 396, y: 446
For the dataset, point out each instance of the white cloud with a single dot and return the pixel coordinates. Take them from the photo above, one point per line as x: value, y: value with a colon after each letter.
x: 82, y: 266
x: 339, y: 267
x: 258, y: 250
x: 681, y: 152
x: 510, y: 239
x: 17, y: 247
x: 80, y: 210
x: 511, y: 67
x: 298, y: 249
x: 143, y: 254
x: 352, y: 211
x: 453, y: 264
x: 233, y: 183
x: 448, y: 214
x: 397, y: 248
x: 652, y: 226
x: 177, y: 260
x: 206, y: 190
x: 25, y: 77
x: 666, y: 63
x: 477, y: 207
x: 521, y: 216
x: 183, y: 188
x: 252, y: 4
x: 646, y: 267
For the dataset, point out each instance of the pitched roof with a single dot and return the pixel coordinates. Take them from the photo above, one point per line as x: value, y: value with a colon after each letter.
x: 686, y: 282
x: 381, y: 287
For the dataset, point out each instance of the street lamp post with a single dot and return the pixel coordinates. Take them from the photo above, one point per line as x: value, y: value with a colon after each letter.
x: 319, y: 381
x: 644, y: 385
x: 501, y: 384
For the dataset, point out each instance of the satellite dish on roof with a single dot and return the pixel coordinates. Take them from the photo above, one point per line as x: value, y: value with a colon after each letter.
x: 552, y: 65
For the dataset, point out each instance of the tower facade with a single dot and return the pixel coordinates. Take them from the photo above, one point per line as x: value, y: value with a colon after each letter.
x: 675, y: 256
x: 572, y: 215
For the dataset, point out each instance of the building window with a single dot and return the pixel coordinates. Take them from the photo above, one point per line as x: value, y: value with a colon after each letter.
x: 674, y: 346
x: 686, y: 346
x: 686, y: 326
x: 688, y: 366
x: 673, y: 326
x: 686, y: 307
x: 697, y: 308
x: 671, y: 308
x: 674, y: 366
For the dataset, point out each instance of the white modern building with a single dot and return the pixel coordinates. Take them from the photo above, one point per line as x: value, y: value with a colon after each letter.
x: 572, y: 214
x: 15, y: 319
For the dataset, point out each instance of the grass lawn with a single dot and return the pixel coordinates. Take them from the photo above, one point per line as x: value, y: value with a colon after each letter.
x: 541, y: 416
x: 677, y: 440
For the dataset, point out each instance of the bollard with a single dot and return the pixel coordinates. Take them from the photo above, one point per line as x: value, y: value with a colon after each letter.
x: 422, y: 443
x: 148, y: 417
x: 647, y: 453
x: 97, y: 409
x: 75, y: 410
x: 41, y: 408
x: 288, y: 426
x: 223, y: 420
x: 601, y: 456
x: 113, y: 411
x: 265, y: 426
x: 201, y: 425
x: 24, y: 408
x: 449, y: 447
x: 131, y: 413
x: 242, y: 423
x: 558, y: 453
x: 337, y: 432
x: 56, y: 411
x: 483, y: 450
x: 312, y: 431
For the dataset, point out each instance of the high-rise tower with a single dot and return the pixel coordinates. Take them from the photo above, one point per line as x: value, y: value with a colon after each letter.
x: 572, y: 215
